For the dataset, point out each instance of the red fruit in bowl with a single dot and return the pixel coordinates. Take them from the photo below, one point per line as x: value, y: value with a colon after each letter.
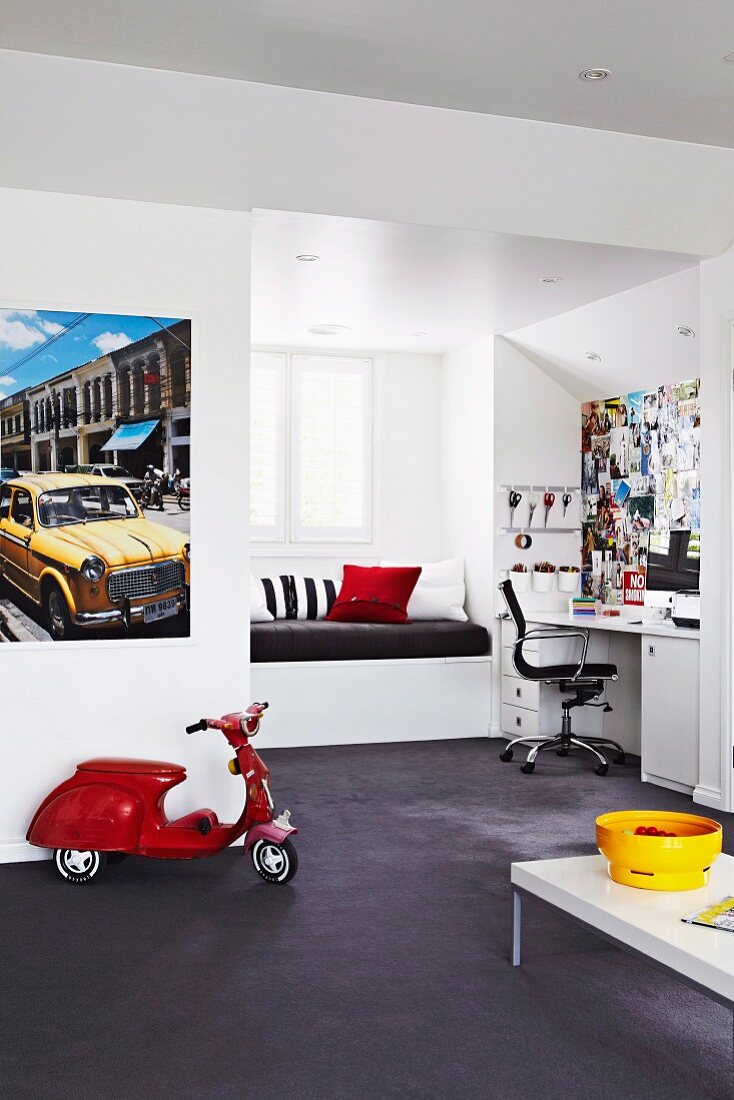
x: 641, y: 830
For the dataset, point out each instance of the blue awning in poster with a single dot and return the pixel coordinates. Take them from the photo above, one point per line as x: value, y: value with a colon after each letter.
x: 128, y: 437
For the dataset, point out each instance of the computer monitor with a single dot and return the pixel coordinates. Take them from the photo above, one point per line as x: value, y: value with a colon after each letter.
x: 673, y: 564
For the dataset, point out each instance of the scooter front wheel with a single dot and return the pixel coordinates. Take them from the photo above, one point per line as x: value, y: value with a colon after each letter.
x: 79, y: 865
x: 274, y: 862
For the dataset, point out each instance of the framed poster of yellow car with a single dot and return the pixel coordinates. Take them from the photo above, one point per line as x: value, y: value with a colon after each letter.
x: 95, y: 491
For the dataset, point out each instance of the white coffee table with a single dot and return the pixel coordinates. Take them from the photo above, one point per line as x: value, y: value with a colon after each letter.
x: 647, y: 923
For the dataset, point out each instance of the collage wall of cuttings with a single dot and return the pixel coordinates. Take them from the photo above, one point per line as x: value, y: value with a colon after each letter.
x: 640, y: 464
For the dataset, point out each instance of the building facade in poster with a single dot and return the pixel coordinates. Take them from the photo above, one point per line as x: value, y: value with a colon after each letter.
x: 70, y: 418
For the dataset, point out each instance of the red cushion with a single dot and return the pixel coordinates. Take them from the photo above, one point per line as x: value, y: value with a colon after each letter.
x: 375, y: 594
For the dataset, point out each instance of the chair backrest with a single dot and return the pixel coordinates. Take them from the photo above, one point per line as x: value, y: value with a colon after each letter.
x: 513, y: 606
x: 527, y: 671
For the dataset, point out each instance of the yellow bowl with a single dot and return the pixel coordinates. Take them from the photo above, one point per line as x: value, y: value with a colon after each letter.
x: 681, y: 862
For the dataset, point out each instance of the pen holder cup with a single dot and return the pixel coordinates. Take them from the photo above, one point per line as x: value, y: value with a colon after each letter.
x: 520, y: 581
x: 543, y: 582
x: 568, y: 582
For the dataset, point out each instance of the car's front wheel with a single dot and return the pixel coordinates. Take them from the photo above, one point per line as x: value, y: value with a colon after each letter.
x: 56, y: 613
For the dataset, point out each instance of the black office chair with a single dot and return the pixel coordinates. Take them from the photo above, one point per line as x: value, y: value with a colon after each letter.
x: 585, y: 680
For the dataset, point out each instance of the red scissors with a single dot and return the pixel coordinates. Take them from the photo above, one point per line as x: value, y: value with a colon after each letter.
x: 548, y: 500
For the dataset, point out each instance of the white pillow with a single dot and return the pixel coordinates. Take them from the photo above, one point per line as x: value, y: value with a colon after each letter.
x: 258, y: 608
x: 440, y: 591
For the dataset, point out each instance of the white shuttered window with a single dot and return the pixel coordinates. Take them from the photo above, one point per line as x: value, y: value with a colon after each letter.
x: 267, y: 446
x: 331, y: 449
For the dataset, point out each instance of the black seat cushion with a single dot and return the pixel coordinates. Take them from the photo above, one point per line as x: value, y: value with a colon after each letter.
x: 567, y: 672
x: 319, y: 640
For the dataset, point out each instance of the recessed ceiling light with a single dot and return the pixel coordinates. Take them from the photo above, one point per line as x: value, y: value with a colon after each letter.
x: 329, y: 330
x: 307, y: 257
x: 595, y: 74
x: 594, y: 356
x: 419, y: 333
x: 552, y: 279
x: 684, y: 330
x: 729, y: 57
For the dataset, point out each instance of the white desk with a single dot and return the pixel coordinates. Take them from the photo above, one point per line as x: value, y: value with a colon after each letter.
x: 655, y: 699
x: 646, y: 923
x: 619, y: 624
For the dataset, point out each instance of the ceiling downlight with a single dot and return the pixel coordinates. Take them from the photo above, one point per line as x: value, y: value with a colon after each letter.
x: 329, y: 330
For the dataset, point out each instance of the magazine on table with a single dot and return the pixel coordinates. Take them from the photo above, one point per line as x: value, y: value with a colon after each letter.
x: 719, y: 916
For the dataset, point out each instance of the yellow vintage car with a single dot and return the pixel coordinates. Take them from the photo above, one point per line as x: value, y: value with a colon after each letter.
x: 80, y: 548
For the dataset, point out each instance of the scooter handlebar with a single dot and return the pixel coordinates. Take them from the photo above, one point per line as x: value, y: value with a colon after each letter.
x: 200, y: 725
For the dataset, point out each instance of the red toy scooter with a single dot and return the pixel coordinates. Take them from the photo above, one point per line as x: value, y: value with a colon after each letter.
x: 114, y: 807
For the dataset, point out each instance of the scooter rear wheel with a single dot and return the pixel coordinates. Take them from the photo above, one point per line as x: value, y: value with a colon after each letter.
x: 274, y: 862
x: 79, y: 865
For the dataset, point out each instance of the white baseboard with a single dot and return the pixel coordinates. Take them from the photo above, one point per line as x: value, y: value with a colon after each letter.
x: 708, y: 796
x: 20, y: 851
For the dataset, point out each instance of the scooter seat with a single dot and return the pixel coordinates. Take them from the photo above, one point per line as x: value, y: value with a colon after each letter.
x: 127, y: 765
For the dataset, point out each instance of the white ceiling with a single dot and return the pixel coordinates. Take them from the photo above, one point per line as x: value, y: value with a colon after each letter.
x: 634, y: 333
x: 519, y: 58
x: 388, y: 281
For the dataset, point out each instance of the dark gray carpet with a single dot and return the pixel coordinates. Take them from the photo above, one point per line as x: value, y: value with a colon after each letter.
x: 381, y: 971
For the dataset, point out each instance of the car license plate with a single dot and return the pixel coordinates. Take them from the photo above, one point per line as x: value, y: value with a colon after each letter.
x: 161, y: 609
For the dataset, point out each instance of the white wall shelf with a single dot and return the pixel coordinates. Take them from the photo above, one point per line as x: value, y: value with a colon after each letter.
x: 547, y: 488
x: 540, y: 530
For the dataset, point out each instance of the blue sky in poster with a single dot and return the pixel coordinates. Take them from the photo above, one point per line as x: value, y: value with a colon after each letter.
x: 24, y: 332
x: 636, y: 405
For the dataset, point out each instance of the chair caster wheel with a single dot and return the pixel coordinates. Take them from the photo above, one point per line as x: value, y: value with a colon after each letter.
x: 507, y: 755
x: 601, y: 769
x: 561, y: 752
x: 528, y: 769
x: 620, y: 758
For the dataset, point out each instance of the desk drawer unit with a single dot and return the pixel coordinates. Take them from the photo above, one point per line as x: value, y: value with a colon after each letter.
x: 517, y: 722
x: 521, y: 693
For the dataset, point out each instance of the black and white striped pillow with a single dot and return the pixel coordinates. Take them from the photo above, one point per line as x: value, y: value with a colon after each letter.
x: 314, y: 598
x: 279, y: 596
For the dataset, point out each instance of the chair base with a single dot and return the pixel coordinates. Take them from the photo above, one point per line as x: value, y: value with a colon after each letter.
x: 563, y: 743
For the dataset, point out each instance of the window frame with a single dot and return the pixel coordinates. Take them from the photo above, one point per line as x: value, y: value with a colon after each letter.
x: 328, y: 539
x: 275, y: 534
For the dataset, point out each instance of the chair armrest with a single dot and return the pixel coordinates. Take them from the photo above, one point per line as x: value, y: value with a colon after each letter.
x: 542, y: 632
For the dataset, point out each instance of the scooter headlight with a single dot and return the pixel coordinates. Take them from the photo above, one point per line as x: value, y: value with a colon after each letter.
x: 243, y: 726
x: 187, y: 551
x: 93, y: 568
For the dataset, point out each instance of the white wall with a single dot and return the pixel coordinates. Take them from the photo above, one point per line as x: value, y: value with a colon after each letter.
x: 716, y: 319
x: 466, y: 474
x: 227, y: 143
x: 65, y: 702
x: 406, y: 429
x: 537, y: 440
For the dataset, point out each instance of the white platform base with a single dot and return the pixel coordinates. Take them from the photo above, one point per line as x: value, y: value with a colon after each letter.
x: 362, y: 702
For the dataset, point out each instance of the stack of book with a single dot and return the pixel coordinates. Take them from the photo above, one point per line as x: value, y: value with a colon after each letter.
x: 583, y: 605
